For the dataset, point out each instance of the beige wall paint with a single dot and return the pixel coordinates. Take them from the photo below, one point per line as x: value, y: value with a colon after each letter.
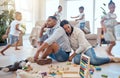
x: 41, y: 11
x: 36, y: 9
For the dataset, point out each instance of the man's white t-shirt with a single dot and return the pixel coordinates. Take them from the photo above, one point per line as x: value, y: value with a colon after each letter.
x: 13, y: 30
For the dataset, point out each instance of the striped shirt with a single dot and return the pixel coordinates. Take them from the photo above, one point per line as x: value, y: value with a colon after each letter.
x: 59, y: 36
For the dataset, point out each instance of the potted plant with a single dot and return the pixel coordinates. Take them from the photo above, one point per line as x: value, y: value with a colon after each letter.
x: 103, y: 10
x: 6, y: 16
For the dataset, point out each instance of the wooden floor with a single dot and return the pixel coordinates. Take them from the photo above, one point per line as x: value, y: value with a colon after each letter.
x: 111, y: 69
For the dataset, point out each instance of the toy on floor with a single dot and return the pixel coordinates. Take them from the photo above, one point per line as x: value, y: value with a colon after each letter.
x: 85, y: 66
x: 57, y: 70
x: 68, y: 63
x: 44, y: 74
x: 27, y: 68
x: 104, y: 76
x: 98, y: 68
x: 17, y: 65
x: 53, y: 70
x: 91, y: 70
x: 65, y: 71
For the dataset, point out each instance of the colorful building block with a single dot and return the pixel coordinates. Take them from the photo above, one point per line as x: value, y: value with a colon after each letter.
x: 104, y: 75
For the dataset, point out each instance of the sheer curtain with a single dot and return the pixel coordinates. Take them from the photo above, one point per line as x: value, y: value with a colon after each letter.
x: 26, y: 8
x: 51, y: 7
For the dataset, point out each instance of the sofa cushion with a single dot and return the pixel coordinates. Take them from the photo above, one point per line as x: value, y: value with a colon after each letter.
x: 91, y: 36
x: 86, y: 30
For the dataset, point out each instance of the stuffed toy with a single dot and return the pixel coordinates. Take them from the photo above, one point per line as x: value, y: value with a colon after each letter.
x: 19, y: 65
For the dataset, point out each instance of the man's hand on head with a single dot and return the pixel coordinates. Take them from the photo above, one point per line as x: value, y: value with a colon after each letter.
x: 44, y: 26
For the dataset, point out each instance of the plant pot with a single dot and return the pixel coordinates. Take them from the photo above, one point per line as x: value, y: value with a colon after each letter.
x: 3, y: 43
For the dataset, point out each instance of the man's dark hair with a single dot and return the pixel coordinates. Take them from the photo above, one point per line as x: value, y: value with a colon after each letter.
x: 81, y: 8
x: 53, y: 17
x: 63, y: 22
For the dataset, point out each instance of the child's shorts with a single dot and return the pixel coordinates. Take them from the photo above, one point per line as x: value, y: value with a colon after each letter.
x: 13, y: 39
x: 109, y: 35
x: 82, y: 25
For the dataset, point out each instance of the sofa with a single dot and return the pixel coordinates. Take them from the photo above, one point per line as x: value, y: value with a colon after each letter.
x: 92, y: 38
x: 34, y: 36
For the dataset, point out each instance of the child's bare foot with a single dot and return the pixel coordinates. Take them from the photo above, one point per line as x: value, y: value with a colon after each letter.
x: 2, y: 53
x: 109, y: 53
x: 17, y: 49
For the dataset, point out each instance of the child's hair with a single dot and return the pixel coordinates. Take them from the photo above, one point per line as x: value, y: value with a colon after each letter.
x: 111, y: 2
x: 17, y: 13
x: 59, y: 6
x: 81, y: 8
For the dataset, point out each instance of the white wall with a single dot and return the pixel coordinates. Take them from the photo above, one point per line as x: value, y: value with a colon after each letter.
x: 42, y: 9
x: 63, y: 3
x: 47, y: 10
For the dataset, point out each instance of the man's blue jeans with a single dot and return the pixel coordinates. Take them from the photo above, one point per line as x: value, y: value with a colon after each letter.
x: 94, y: 60
x: 60, y: 56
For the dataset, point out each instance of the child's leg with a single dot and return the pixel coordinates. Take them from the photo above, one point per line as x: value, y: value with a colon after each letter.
x: 2, y: 51
x: 82, y: 25
x: 111, y: 45
x: 16, y: 42
x: 11, y: 40
x: 16, y: 45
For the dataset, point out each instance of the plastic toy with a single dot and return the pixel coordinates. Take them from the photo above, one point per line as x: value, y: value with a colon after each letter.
x: 104, y: 75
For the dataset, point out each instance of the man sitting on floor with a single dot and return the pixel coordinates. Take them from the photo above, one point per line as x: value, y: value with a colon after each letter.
x: 57, y: 45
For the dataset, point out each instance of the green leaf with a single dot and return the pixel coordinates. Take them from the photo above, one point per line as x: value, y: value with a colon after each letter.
x: 5, y: 18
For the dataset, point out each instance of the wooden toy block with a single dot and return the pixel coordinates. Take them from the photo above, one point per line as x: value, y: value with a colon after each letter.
x: 104, y: 76
x: 98, y: 68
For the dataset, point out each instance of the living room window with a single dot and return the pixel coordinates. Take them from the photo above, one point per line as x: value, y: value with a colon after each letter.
x: 51, y: 7
x: 73, y: 9
x: 92, y: 11
x: 98, y: 11
x: 26, y: 7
